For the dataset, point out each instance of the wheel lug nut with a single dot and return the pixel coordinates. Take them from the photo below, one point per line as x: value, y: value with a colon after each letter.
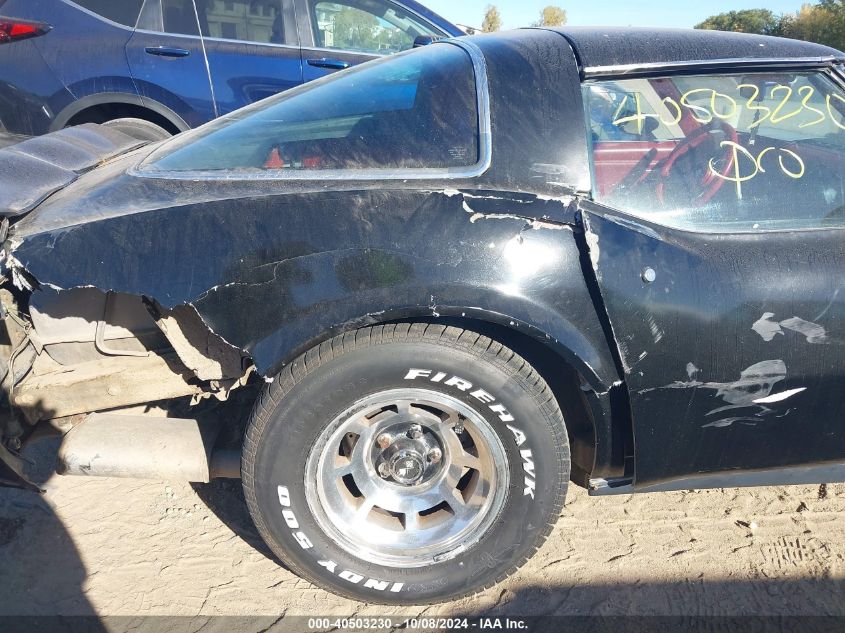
x: 434, y: 455
x: 383, y: 470
x: 415, y: 432
x: 383, y: 440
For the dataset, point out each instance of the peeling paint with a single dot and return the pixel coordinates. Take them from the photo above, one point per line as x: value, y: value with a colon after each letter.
x: 779, y: 397
x: 16, y: 269
x: 769, y: 329
x: 766, y: 328
x: 814, y: 332
x: 593, y: 247
x: 475, y: 216
x: 753, y: 389
x: 724, y: 422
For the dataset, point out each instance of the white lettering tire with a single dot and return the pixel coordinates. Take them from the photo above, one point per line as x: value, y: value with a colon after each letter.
x: 406, y: 463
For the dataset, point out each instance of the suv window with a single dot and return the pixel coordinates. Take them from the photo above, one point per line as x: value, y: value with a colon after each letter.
x: 753, y: 151
x: 122, y: 11
x: 417, y: 110
x: 367, y: 26
x: 259, y: 21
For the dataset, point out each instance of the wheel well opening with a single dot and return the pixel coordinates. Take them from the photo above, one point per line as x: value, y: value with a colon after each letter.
x: 111, y: 111
x: 564, y: 380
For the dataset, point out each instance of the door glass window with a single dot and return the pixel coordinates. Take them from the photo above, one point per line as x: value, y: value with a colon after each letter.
x: 739, y: 152
x: 259, y: 21
x: 123, y: 12
x: 366, y: 26
x: 418, y: 110
x: 179, y: 17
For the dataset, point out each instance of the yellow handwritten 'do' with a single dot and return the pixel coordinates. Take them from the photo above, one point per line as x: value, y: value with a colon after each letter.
x: 738, y: 152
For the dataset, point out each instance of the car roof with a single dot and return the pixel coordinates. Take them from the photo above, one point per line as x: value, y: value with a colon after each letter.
x: 608, y: 47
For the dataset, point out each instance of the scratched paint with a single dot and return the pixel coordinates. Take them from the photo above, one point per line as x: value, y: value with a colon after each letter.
x: 751, y: 391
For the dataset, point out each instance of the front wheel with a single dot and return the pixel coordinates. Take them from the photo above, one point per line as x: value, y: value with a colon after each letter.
x: 406, y: 463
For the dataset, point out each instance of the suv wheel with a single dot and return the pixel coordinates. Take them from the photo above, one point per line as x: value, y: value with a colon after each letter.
x: 406, y: 463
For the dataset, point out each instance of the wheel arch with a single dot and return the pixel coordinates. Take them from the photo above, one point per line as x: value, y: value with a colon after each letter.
x: 129, y: 104
x: 598, y: 427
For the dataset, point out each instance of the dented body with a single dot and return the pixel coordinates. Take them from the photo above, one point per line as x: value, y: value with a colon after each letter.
x: 723, y: 361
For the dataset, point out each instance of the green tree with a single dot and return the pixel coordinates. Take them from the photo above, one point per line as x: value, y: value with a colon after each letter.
x: 355, y: 30
x: 760, y: 21
x: 552, y: 16
x: 492, y: 19
x: 823, y: 23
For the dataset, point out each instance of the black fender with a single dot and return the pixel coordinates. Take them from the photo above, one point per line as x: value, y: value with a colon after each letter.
x: 277, y: 274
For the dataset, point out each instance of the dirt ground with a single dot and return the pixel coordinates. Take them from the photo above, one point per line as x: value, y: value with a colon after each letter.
x: 130, y: 547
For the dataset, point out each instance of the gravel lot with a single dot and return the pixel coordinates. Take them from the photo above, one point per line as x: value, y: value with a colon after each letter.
x: 130, y: 547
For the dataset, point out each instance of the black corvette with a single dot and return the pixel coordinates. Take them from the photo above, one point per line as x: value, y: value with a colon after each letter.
x: 447, y: 284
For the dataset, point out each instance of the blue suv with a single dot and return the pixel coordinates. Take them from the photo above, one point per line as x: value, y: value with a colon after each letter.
x: 163, y: 66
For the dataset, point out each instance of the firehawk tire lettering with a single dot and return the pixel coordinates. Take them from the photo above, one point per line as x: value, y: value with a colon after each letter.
x: 499, y: 409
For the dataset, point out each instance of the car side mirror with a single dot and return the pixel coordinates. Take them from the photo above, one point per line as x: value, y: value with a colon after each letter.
x: 425, y: 40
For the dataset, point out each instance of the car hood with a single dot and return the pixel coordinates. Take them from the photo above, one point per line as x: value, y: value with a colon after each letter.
x: 38, y: 167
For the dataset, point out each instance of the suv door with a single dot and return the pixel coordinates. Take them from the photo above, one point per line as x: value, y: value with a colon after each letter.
x: 166, y: 59
x: 718, y: 243
x: 252, y: 48
x: 336, y: 34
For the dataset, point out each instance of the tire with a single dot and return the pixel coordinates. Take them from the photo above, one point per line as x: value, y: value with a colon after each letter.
x: 140, y: 129
x: 351, y: 404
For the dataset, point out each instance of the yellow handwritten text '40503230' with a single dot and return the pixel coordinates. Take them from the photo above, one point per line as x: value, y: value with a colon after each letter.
x: 725, y: 107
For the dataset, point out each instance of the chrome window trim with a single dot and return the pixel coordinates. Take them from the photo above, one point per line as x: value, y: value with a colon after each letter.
x: 485, y: 149
x: 347, y: 51
x: 631, y: 70
x: 216, y: 39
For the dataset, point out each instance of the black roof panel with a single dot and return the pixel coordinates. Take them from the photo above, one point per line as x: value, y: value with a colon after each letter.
x: 621, y: 46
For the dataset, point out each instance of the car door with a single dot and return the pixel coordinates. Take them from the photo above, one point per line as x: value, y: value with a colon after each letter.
x: 167, y: 61
x: 337, y: 34
x: 252, y: 48
x: 717, y: 237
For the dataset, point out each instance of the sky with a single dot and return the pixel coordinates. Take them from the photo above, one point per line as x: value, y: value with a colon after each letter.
x: 669, y: 13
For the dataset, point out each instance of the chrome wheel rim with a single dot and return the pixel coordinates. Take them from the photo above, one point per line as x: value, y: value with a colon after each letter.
x: 407, y: 477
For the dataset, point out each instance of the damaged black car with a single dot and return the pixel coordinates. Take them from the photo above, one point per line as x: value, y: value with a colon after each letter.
x: 445, y: 284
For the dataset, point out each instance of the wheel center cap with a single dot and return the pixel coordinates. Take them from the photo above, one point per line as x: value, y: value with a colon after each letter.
x: 407, y: 467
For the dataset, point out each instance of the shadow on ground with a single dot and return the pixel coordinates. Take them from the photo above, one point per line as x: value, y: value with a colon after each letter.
x: 33, y: 538
x: 225, y: 498
x: 27, y: 518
